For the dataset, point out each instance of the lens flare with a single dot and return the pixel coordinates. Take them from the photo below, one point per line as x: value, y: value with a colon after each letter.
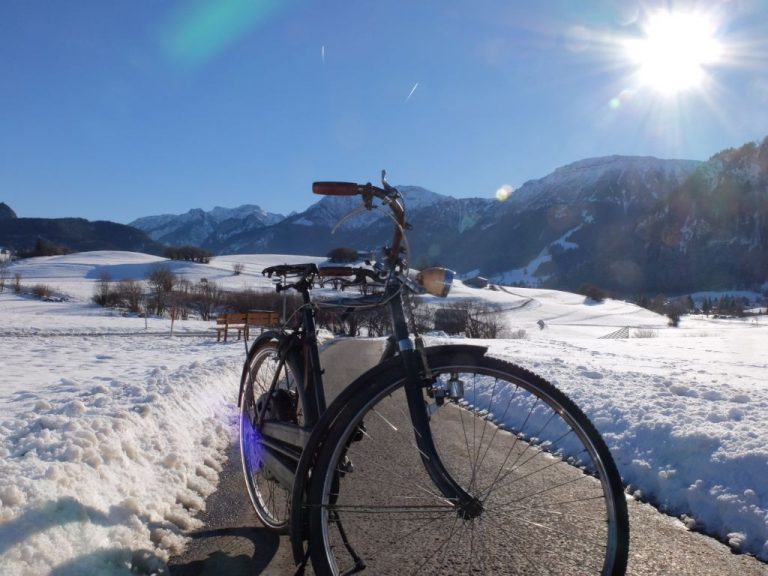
x: 503, y: 193
x: 623, y: 98
x: 203, y: 30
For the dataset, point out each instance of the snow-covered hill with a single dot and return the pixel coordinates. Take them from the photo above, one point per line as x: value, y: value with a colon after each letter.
x: 112, y: 434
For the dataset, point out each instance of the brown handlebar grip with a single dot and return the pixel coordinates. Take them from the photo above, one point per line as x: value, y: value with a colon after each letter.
x: 335, y: 188
x: 336, y: 271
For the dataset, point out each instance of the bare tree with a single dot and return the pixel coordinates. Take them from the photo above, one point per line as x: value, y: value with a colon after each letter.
x: 161, y: 282
x: 4, y: 273
x: 208, y: 297
x: 131, y: 294
x: 103, y: 289
x: 376, y: 321
x: 422, y: 315
x: 17, y: 283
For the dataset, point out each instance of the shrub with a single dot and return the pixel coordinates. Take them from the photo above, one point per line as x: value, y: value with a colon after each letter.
x: 42, y: 291
x: 472, y: 318
x: 343, y: 254
x: 593, y: 292
x: 104, y: 292
x: 130, y: 294
x: 645, y: 333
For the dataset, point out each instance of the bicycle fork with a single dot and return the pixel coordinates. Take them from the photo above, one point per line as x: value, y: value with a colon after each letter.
x: 418, y: 377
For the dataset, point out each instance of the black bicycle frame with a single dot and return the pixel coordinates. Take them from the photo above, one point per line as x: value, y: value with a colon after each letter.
x: 284, y: 442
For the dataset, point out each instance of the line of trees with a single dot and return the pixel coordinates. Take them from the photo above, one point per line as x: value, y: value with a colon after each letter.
x: 188, y: 254
x: 675, y: 308
x: 164, y: 292
x: 469, y: 318
x: 44, y: 247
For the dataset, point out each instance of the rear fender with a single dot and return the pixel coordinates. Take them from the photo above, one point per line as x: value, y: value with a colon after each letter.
x: 264, y: 337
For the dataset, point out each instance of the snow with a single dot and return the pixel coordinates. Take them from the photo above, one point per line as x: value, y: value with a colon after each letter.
x: 112, y: 434
x: 579, y: 177
x: 204, y: 222
x: 528, y: 274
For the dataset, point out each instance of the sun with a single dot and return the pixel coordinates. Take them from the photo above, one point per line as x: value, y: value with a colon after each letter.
x: 675, y: 51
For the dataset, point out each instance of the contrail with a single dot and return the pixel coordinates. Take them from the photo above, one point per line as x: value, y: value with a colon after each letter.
x: 322, y: 53
x: 412, y: 91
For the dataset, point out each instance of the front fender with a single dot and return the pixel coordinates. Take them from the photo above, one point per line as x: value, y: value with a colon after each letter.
x: 388, y: 368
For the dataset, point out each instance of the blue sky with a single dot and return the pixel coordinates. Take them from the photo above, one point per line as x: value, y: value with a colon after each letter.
x: 116, y: 109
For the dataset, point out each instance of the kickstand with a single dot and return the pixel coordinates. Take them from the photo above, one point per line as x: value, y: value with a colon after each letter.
x: 359, y: 564
x: 303, y: 566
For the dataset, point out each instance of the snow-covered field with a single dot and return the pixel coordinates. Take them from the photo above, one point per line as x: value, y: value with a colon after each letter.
x: 112, y: 433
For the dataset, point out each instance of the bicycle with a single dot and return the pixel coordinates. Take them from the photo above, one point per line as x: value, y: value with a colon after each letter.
x: 438, y: 460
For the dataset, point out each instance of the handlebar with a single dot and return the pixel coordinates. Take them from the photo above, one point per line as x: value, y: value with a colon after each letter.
x: 361, y: 275
x: 302, y: 270
x: 335, y: 188
x: 388, y: 195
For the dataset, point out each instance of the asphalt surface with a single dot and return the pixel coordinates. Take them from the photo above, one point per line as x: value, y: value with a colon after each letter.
x: 233, y: 541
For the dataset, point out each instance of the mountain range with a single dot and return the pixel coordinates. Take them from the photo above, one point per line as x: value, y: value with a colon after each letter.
x: 624, y: 223
x: 22, y: 235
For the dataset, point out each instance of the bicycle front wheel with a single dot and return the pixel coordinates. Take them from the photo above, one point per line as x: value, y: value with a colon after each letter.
x: 548, y: 498
x: 270, y: 392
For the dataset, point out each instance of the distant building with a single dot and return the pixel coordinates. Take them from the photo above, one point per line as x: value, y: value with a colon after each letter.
x: 5, y: 254
x: 476, y: 282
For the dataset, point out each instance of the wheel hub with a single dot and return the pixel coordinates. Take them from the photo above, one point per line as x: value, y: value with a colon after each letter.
x: 281, y: 405
x: 471, y: 509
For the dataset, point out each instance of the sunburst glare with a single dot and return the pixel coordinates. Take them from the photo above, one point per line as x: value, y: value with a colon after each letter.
x: 675, y: 51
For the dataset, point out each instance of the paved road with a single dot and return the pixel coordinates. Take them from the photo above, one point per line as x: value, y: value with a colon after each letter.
x: 234, y: 543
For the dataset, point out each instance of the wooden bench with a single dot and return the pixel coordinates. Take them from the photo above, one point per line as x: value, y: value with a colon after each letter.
x: 242, y: 322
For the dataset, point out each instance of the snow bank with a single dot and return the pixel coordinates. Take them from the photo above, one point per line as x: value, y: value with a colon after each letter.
x: 108, y: 446
x: 111, y: 434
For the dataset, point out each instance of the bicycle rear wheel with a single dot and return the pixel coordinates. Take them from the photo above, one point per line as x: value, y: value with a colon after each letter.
x: 269, y: 498
x: 550, y: 497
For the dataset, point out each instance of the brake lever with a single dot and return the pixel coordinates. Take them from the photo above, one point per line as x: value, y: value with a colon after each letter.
x: 384, y: 182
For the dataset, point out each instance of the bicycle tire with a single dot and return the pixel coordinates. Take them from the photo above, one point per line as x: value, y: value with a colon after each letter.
x: 270, y: 500
x: 551, y: 497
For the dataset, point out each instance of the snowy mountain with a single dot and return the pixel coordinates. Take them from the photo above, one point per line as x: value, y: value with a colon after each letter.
x: 205, y: 229
x: 578, y: 224
x: 643, y: 225
x: 625, y: 179
x: 625, y: 223
x: 341, y: 221
x: 714, y: 228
